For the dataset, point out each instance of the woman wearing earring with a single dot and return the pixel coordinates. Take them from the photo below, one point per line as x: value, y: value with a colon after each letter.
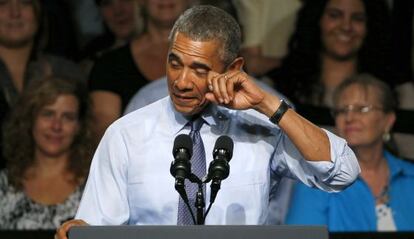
x: 382, y: 198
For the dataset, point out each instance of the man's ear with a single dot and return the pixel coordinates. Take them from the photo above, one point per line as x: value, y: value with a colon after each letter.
x: 237, y: 64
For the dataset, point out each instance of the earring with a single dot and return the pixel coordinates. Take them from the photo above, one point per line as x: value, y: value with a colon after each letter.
x: 386, y: 136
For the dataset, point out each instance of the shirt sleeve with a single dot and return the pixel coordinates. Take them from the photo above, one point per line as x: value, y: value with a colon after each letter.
x: 331, y: 176
x: 104, y: 201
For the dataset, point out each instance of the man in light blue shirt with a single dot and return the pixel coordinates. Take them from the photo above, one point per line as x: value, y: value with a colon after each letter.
x: 280, y: 200
x: 130, y: 181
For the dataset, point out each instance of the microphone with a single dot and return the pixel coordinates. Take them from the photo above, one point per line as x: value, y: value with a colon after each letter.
x: 182, y: 151
x: 181, y: 166
x: 219, y: 168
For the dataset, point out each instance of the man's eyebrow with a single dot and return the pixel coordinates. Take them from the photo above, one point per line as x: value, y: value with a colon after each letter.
x: 173, y: 57
x: 199, y: 65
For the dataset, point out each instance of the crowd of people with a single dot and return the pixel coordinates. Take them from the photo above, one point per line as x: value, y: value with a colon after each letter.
x: 84, y: 121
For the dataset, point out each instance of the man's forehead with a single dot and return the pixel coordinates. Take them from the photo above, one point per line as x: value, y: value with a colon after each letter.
x: 186, y: 45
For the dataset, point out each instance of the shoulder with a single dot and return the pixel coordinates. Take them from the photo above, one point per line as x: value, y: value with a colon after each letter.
x: 148, y: 94
x: 122, y: 54
x: 63, y: 67
x: 142, y: 118
x: 405, y: 94
x: 304, y: 192
x: 117, y: 63
x: 400, y: 163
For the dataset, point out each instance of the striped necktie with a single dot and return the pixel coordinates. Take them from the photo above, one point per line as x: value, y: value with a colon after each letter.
x: 198, y: 167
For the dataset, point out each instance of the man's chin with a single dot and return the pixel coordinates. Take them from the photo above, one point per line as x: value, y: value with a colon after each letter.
x: 189, y: 110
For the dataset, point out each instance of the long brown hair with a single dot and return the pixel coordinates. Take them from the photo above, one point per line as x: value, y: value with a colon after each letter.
x: 18, y: 141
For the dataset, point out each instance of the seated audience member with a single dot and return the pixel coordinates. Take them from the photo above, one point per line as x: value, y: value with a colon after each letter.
x: 22, y: 56
x: 334, y: 39
x: 48, y: 149
x: 122, y: 20
x: 382, y: 197
x: 209, y: 96
x: 120, y: 73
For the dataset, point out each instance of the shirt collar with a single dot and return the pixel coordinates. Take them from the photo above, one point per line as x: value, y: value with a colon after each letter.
x: 397, y: 166
x: 212, y: 114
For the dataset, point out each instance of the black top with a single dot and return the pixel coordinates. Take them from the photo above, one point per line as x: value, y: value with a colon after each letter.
x: 117, y: 72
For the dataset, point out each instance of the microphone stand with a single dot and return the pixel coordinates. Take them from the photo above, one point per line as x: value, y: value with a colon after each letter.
x: 199, y: 202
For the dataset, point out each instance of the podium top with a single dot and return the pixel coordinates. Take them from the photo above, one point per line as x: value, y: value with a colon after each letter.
x: 199, y: 232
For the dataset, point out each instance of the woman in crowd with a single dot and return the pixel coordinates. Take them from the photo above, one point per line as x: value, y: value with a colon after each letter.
x: 22, y: 56
x: 119, y: 74
x: 48, y: 149
x: 382, y: 198
x: 122, y: 20
x: 333, y: 40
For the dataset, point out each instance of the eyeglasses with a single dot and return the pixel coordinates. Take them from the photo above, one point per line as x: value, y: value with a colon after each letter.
x: 357, y: 109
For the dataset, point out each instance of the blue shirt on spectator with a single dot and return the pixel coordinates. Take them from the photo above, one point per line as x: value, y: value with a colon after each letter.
x: 354, y: 208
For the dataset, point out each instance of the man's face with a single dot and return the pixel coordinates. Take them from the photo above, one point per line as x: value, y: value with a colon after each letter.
x: 188, y: 65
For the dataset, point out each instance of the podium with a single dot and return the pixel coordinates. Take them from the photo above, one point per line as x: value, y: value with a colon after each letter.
x: 199, y: 232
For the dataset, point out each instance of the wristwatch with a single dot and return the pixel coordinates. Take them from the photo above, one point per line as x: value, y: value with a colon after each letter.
x: 277, y: 116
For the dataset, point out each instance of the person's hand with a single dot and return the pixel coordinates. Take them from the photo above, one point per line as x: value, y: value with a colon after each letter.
x: 235, y: 90
x: 61, y: 232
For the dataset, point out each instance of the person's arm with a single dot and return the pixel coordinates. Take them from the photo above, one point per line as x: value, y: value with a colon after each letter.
x: 236, y: 90
x: 316, y: 157
x: 106, y: 109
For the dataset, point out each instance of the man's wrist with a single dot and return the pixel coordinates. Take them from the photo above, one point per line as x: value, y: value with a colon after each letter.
x: 278, y: 114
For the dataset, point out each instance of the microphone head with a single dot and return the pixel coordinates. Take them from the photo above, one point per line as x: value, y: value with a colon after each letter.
x: 224, y: 143
x: 183, y: 141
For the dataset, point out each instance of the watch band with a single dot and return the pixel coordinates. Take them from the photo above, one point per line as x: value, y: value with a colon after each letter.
x: 277, y: 116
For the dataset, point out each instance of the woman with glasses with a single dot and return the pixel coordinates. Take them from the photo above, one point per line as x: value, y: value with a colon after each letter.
x: 382, y: 198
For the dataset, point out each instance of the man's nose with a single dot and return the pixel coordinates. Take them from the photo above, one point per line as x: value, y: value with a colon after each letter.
x: 183, y: 81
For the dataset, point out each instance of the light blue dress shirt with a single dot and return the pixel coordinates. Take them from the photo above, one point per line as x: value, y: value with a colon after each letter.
x: 354, y: 208
x: 130, y: 180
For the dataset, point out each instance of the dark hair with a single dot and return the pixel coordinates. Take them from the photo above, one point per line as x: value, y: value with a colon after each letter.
x: 18, y: 140
x: 299, y: 76
x: 384, y: 93
x: 207, y: 23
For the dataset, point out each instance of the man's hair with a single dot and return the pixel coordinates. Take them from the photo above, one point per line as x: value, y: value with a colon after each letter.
x: 207, y: 23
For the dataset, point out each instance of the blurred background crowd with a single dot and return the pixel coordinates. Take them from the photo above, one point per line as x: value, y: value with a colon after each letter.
x: 69, y: 68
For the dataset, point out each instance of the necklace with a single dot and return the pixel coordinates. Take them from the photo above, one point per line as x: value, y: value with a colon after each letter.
x: 383, y: 197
